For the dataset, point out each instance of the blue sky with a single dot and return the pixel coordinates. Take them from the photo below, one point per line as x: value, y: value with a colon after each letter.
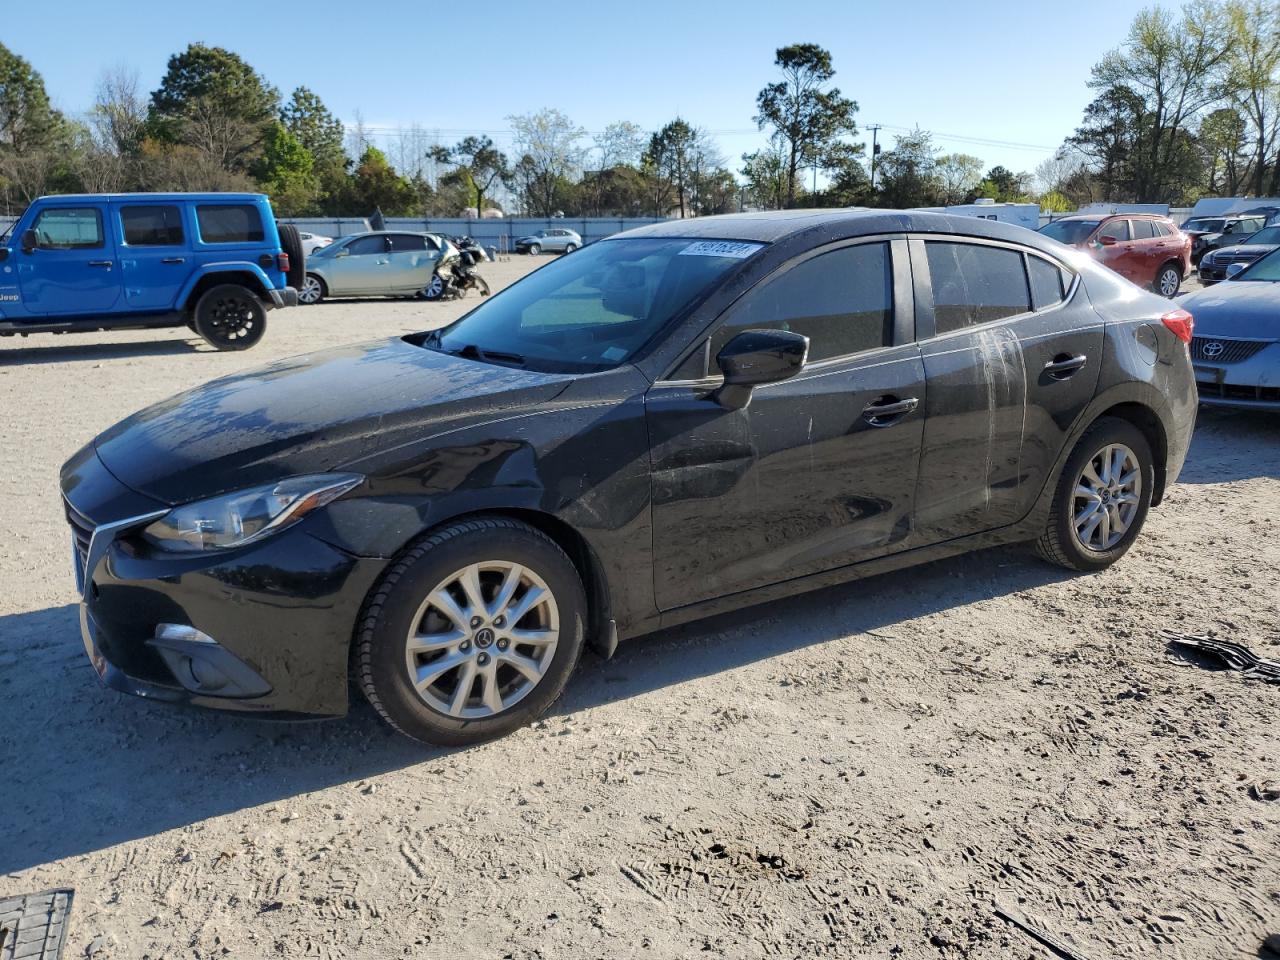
x: 1000, y: 79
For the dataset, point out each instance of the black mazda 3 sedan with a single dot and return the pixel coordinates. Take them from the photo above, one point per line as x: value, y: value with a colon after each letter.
x: 679, y: 420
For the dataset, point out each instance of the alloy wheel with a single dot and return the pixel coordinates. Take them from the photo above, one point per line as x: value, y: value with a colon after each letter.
x: 1107, y: 496
x: 231, y: 318
x: 1169, y: 282
x: 434, y: 288
x: 311, y: 290
x: 482, y: 640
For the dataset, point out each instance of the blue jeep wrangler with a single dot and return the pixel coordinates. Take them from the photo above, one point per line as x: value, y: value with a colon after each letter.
x: 216, y: 262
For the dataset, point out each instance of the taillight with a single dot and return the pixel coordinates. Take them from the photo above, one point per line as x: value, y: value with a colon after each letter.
x: 282, y: 262
x: 1181, y: 323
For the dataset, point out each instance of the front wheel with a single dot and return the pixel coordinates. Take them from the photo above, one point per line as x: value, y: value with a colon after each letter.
x: 570, y: 247
x: 1102, y: 498
x: 482, y: 285
x: 1168, y: 280
x: 312, y: 290
x: 434, y: 289
x: 230, y: 317
x: 473, y: 633
x: 534, y: 249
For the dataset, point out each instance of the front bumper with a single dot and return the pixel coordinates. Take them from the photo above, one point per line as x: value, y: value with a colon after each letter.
x: 1209, y: 274
x: 1252, y: 384
x: 265, y: 629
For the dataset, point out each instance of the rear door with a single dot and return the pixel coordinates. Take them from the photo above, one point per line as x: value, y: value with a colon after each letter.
x: 73, y: 269
x: 154, y: 260
x: 1147, y: 251
x: 817, y: 471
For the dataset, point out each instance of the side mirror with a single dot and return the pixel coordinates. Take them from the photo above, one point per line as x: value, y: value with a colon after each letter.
x: 344, y: 252
x: 29, y: 241
x: 1233, y: 269
x: 755, y: 357
x: 1107, y: 240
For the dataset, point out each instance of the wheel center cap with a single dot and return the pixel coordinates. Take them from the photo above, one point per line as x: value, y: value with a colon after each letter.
x: 484, y: 637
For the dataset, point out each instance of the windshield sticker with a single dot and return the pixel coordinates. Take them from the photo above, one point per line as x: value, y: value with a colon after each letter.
x: 721, y: 248
x: 613, y: 353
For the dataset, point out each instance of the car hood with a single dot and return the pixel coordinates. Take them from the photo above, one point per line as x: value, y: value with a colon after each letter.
x: 1261, y: 249
x: 1238, y: 308
x: 310, y: 414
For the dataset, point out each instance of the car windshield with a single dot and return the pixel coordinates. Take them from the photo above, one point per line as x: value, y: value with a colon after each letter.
x: 1266, y: 269
x: 328, y: 250
x: 1070, y: 231
x: 1269, y: 235
x: 1203, y: 225
x: 595, y: 309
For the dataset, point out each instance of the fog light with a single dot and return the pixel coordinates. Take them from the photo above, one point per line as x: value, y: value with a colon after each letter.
x: 182, y: 632
x: 202, y: 665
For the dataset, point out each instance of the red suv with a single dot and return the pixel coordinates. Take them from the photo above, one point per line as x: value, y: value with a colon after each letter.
x: 1147, y: 249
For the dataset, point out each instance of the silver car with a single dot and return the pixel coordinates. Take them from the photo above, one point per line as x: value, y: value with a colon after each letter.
x: 1236, y: 347
x: 552, y: 240
x: 385, y: 263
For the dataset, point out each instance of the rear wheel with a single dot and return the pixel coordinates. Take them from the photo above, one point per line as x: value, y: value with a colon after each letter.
x: 534, y: 249
x: 473, y: 633
x: 1102, y: 499
x: 1168, y: 280
x: 570, y: 247
x: 230, y: 317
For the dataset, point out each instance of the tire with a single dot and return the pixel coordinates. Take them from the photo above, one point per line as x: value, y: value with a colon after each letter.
x: 482, y: 286
x: 570, y: 247
x: 312, y: 291
x: 1061, y: 543
x: 402, y: 607
x: 1168, y: 280
x: 434, y: 290
x: 534, y: 249
x: 291, y: 243
x: 230, y: 317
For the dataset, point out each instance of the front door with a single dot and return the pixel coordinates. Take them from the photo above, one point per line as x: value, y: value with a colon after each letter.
x: 364, y: 267
x: 73, y: 268
x: 809, y: 476
x: 1121, y: 255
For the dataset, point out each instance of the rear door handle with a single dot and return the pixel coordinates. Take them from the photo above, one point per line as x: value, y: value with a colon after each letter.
x: 886, y: 411
x: 174, y: 260
x: 100, y: 263
x: 1064, y: 365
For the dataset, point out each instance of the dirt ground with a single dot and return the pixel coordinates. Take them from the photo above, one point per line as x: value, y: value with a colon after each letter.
x: 871, y: 770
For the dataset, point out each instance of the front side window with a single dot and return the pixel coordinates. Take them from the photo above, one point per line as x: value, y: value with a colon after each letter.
x: 230, y: 223
x: 1070, y: 232
x: 151, y: 226
x: 1118, y: 229
x: 365, y: 246
x: 975, y: 284
x: 841, y: 300
x: 69, y: 228
x: 596, y: 309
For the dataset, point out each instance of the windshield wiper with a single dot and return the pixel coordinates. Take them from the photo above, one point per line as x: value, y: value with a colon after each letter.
x: 473, y: 352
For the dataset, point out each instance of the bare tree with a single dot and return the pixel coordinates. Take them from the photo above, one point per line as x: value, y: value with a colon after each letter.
x: 119, y: 110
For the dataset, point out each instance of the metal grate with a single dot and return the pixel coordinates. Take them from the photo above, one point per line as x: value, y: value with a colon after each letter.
x: 1220, y: 350
x: 34, y: 925
x: 81, y: 532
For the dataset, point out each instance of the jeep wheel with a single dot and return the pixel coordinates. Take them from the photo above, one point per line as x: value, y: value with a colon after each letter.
x: 312, y: 290
x: 230, y: 317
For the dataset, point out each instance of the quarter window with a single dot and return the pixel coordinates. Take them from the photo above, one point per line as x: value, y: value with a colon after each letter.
x: 975, y: 284
x: 69, y: 228
x: 151, y: 226
x: 230, y: 223
x: 1047, y: 283
x: 841, y: 300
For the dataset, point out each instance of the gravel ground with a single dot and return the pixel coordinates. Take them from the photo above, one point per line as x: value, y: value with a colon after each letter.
x: 867, y: 771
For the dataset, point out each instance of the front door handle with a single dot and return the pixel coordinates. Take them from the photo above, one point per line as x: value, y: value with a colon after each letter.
x: 100, y: 263
x: 174, y: 260
x: 886, y: 411
x: 1064, y: 365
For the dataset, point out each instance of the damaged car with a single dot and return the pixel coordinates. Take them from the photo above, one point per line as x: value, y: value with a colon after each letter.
x: 683, y: 419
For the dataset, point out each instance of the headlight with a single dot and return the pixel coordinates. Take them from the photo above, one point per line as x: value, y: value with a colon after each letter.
x: 235, y: 519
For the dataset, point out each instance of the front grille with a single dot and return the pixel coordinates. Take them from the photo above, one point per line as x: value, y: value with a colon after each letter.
x: 1233, y: 351
x: 81, y: 533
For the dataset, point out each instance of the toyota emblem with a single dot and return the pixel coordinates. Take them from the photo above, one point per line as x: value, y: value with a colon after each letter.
x: 1212, y: 349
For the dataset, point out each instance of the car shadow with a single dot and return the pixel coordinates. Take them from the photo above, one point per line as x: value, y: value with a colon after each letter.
x: 88, y: 768
x: 62, y: 353
x: 1231, y: 445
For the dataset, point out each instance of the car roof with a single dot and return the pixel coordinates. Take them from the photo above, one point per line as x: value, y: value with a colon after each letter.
x: 773, y: 226
x: 172, y: 197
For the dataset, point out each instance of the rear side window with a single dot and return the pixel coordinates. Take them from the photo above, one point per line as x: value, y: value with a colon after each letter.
x: 151, y: 226
x: 975, y: 284
x: 69, y: 228
x: 1048, y: 283
x: 841, y: 300
x: 1142, y: 229
x: 1160, y: 229
x: 230, y: 223
x: 401, y: 242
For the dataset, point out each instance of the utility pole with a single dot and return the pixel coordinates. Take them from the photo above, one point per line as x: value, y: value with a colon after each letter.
x: 875, y: 151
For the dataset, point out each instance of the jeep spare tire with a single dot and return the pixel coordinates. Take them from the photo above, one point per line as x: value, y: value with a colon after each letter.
x: 291, y: 243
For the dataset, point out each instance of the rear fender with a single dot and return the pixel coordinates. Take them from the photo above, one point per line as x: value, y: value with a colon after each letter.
x: 231, y: 268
